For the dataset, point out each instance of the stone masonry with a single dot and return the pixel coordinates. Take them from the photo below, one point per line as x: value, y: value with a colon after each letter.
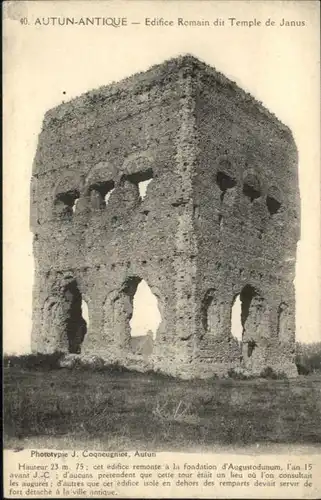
x: 220, y: 220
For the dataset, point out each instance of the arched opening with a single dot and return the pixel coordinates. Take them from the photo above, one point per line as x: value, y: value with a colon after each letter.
x: 212, y: 313
x: 273, y: 200
x: 132, y: 317
x: 142, y: 187
x: 273, y: 205
x: 246, y: 297
x: 251, y: 187
x: 146, y: 316
x: 224, y: 182
x: 244, y: 320
x: 75, y: 205
x: 65, y: 203
x: 253, y: 318
x: 107, y: 196
x: 282, y: 322
x: 236, y: 322
x: 100, y: 193
x: 76, y: 325
x: 85, y: 312
x: 141, y: 180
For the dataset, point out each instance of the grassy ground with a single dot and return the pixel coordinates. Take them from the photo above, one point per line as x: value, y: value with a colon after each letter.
x: 124, y: 410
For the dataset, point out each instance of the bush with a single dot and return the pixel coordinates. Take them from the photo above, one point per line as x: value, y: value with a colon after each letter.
x: 33, y: 361
x: 308, y: 358
x: 239, y: 374
x: 269, y: 373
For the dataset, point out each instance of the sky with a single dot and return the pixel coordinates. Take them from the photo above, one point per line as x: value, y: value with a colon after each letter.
x: 44, y: 65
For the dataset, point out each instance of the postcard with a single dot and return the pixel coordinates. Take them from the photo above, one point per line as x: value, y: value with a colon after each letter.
x: 162, y: 249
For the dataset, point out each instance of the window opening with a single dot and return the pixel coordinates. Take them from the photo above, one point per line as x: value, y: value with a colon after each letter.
x: 100, y: 193
x: 224, y: 182
x: 142, y: 186
x: 236, y: 322
x: 141, y: 180
x: 76, y: 325
x: 212, y: 313
x: 66, y: 202
x: 251, y: 187
x: 146, y: 316
x: 282, y: 322
x: 273, y: 205
x: 251, y: 345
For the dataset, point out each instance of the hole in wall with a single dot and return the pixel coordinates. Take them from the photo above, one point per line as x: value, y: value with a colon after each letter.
x: 141, y: 180
x: 251, y: 345
x: 76, y: 324
x: 246, y: 296
x: 273, y: 205
x: 66, y: 202
x: 142, y: 187
x: 282, y: 322
x: 239, y: 314
x: 146, y: 316
x: 75, y: 205
x: 107, y: 196
x: 251, y: 187
x: 236, y: 323
x: 85, y: 312
x: 212, y: 313
x: 225, y: 181
x: 100, y: 193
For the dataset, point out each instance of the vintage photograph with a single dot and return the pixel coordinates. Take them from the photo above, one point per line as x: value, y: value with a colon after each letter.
x: 162, y: 229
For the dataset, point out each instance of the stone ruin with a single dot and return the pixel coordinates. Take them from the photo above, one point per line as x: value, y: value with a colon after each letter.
x: 219, y: 222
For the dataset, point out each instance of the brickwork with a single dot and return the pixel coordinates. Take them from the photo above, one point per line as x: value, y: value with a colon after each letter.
x: 220, y: 219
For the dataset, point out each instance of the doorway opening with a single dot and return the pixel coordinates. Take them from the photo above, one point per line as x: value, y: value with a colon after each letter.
x: 76, y: 324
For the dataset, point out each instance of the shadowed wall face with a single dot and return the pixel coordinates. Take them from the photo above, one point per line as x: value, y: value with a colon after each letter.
x: 175, y: 179
x: 246, y: 224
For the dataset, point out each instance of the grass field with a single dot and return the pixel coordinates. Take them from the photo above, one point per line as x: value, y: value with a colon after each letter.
x: 126, y: 410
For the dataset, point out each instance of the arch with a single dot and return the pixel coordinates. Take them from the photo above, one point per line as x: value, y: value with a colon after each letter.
x: 273, y: 200
x: 247, y: 313
x: 146, y: 316
x: 100, y: 192
x: 63, y: 323
x: 283, y: 322
x: 246, y: 297
x: 255, y: 324
x: 85, y: 311
x: 140, y: 180
x: 236, y: 321
x: 137, y: 162
x: 225, y: 178
x: 76, y: 325
x: 53, y: 326
x: 100, y: 173
x: 68, y: 181
x: 251, y: 186
x: 66, y: 202
x: 133, y: 315
x: 212, y: 313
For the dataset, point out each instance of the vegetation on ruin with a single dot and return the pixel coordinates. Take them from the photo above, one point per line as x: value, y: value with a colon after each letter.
x: 120, y: 409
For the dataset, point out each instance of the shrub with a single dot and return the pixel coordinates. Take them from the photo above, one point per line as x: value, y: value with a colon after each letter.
x: 33, y: 361
x: 239, y: 374
x: 308, y: 358
x: 268, y: 372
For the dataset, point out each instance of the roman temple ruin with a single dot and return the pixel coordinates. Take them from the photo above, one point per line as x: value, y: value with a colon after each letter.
x: 218, y: 223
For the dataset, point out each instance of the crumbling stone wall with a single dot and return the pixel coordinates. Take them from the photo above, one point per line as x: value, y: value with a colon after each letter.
x: 220, y: 218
